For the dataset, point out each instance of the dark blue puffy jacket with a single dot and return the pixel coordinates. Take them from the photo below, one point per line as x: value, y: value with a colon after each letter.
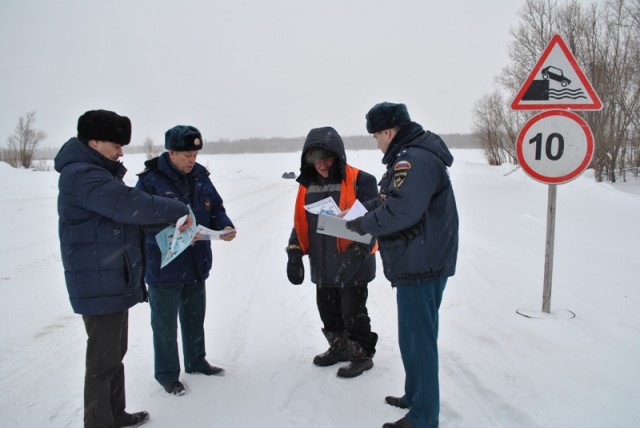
x: 415, y: 219
x: 99, y: 227
x: 196, y: 190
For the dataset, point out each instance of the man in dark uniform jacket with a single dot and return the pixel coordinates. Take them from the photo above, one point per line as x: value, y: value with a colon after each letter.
x: 416, y: 222
x: 178, y: 289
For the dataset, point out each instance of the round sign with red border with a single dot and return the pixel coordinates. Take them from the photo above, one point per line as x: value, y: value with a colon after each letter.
x: 555, y: 146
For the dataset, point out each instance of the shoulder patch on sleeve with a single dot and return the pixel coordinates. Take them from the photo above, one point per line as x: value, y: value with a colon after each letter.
x: 399, y: 178
x: 402, y: 165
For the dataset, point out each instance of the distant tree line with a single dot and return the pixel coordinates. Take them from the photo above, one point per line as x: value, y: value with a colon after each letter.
x: 605, y: 39
x: 357, y: 142
x: 23, y: 146
x: 273, y: 145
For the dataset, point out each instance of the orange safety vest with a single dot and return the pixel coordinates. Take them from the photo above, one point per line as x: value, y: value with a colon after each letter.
x: 347, y: 198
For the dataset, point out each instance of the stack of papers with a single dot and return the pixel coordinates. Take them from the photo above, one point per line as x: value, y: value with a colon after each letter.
x: 330, y: 224
x: 172, y: 244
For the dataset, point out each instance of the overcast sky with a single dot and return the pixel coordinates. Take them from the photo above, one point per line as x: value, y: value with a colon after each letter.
x: 248, y: 68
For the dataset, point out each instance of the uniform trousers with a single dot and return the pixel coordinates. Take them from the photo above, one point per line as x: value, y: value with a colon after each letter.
x: 418, y: 305
x: 188, y: 302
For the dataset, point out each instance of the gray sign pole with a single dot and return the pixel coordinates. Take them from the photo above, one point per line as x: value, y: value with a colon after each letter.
x: 548, y: 257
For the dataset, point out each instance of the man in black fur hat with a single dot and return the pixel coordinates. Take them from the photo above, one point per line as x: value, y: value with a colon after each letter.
x: 101, y: 246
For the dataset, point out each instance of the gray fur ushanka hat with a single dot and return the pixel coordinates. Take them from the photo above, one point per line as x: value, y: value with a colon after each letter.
x: 385, y: 116
x: 183, y: 138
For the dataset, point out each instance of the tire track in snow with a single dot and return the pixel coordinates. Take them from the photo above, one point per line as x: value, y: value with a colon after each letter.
x: 242, y: 276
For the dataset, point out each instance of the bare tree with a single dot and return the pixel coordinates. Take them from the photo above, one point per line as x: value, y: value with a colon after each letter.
x: 151, y: 149
x: 633, y: 152
x: 537, y: 26
x: 612, y: 61
x: 24, y: 140
x: 496, y: 124
x: 494, y: 127
x: 605, y: 38
x: 9, y: 156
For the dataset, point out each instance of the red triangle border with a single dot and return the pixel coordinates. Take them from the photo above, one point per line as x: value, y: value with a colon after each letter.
x: 557, y: 40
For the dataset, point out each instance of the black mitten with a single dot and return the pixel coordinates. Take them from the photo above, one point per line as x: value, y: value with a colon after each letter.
x: 295, y: 268
x: 355, y: 225
x: 351, y: 263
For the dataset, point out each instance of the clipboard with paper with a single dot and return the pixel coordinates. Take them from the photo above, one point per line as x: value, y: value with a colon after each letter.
x: 331, y: 224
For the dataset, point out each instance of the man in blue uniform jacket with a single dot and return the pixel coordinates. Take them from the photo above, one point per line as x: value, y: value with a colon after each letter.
x: 178, y: 289
x: 101, y: 246
x: 416, y: 222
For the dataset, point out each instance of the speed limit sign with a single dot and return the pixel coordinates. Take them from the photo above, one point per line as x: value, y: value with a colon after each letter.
x: 555, y: 146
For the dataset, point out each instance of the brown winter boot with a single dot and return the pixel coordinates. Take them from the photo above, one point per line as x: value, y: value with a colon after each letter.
x: 337, y: 352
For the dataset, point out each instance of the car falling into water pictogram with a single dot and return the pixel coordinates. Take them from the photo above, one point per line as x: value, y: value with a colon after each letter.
x: 554, y: 73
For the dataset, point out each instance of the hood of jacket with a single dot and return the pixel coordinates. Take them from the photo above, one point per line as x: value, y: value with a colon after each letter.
x: 413, y: 135
x: 74, y: 151
x: 325, y: 138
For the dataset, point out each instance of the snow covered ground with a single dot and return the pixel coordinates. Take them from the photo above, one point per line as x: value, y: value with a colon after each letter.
x: 498, y: 368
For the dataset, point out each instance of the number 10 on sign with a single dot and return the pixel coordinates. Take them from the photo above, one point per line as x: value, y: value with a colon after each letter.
x: 555, y: 146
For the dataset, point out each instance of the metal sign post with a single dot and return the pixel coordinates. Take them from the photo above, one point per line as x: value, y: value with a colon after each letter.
x: 548, y: 255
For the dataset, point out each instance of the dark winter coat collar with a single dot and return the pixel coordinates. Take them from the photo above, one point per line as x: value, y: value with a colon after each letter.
x: 75, y: 150
x: 413, y: 135
x: 405, y: 135
x: 163, y: 165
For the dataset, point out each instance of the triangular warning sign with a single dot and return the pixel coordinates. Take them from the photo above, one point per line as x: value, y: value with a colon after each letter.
x: 557, y: 82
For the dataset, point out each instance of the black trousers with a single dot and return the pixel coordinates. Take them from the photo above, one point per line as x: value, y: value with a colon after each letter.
x: 104, y: 397
x: 346, y: 309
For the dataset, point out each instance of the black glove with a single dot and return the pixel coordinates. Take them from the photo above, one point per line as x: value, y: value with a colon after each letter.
x: 351, y: 263
x: 295, y: 268
x: 355, y: 225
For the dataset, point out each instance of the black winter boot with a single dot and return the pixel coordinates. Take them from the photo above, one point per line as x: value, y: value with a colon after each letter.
x: 359, y: 361
x: 355, y: 368
x: 132, y: 419
x: 401, y: 423
x: 395, y: 401
x: 337, y: 352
